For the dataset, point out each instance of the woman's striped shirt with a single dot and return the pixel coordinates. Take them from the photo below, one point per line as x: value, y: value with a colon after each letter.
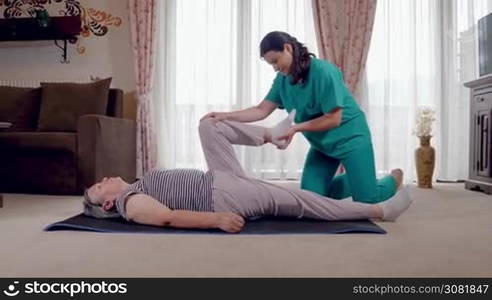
x: 178, y: 189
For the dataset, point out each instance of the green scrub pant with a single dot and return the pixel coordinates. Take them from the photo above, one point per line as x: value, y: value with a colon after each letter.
x: 359, y: 180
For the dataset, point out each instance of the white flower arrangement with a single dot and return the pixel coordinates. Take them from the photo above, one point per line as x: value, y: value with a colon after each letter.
x: 423, y: 121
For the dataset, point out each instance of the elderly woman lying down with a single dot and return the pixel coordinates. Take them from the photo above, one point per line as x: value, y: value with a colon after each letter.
x: 223, y: 196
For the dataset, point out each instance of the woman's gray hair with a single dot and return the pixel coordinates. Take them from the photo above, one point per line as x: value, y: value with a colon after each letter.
x: 97, y: 211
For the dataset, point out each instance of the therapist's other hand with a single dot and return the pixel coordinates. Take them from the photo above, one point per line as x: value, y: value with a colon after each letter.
x: 215, y: 116
x: 288, y: 136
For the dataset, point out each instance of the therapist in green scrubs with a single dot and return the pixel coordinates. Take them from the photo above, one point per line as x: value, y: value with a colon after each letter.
x: 327, y: 115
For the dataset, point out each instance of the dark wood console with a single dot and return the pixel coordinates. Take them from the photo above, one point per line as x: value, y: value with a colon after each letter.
x: 480, y: 168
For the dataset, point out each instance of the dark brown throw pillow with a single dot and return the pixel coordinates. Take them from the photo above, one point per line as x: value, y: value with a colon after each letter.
x: 63, y: 103
x: 20, y: 106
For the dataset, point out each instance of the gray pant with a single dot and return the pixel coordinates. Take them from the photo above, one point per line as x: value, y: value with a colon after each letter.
x: 234, y: 192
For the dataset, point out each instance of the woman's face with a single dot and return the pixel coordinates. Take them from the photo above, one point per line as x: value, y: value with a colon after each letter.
x: 281, y: 61
x: 104, y: 192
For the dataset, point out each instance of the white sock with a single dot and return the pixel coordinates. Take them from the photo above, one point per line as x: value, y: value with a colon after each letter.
x: 281, y: 128
x: 396, y: 205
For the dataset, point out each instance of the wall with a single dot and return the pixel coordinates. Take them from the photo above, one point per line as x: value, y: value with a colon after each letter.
x: 109, y: 55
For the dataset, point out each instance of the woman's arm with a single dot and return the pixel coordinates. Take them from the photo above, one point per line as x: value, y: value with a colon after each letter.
x: 251, y: 114
x: 144, y: 209
x: 322, y: 123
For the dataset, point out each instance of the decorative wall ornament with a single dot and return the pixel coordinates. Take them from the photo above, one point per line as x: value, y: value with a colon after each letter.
x: 93, y: 21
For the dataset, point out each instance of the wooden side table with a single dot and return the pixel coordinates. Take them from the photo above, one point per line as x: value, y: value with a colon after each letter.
x: 3, y: 125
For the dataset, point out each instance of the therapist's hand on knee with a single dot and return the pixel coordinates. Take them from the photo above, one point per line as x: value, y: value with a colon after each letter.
x: 215, y: 116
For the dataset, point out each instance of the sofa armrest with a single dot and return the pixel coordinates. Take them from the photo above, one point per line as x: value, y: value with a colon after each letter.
x: 106, y: 146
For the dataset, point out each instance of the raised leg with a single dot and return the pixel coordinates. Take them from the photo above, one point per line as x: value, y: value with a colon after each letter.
x: 217, y: 139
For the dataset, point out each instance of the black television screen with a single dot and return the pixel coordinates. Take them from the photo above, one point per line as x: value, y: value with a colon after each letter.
x: 485, y: 45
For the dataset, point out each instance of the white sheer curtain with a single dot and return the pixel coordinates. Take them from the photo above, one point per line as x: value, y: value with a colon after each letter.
x: 209, y: 61
x: 421, y: 53
x: 460, y: 65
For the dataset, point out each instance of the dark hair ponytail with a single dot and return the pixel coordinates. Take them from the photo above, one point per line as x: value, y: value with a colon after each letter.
x: 301, y: 56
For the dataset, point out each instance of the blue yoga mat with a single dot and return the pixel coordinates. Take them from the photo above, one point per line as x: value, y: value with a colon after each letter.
x: 265, y: 225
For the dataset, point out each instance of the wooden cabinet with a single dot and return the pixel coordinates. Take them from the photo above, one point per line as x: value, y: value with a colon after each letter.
x: 480, y: 167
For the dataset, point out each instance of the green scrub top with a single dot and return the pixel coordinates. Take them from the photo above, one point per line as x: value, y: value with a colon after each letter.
x: 322, y: 92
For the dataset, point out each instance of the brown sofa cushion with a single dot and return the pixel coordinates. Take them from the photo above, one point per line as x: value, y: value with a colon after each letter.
x: 20, y: 106
x: 52, y: 141
x: 63, y: 103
